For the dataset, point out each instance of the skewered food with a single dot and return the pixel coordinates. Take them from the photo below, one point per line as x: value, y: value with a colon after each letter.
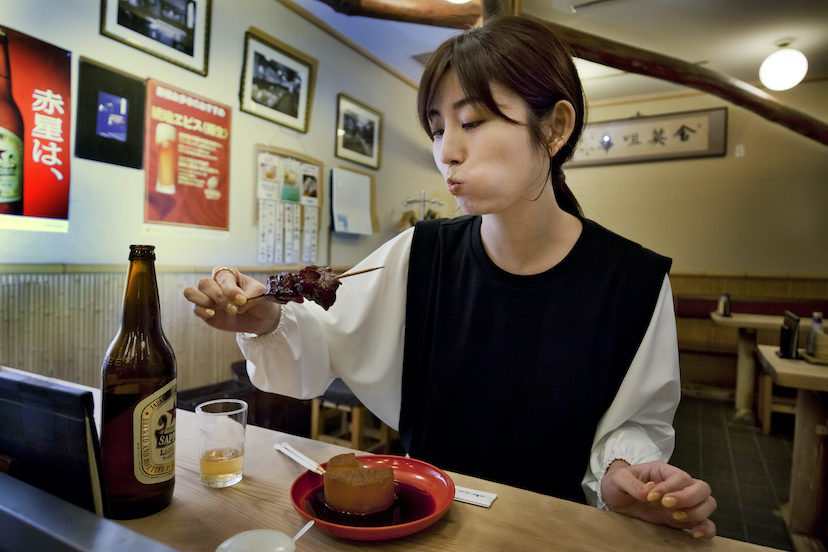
x: 316, y: 283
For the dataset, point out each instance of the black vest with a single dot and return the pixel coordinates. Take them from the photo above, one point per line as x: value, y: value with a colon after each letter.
x: 505, y: 377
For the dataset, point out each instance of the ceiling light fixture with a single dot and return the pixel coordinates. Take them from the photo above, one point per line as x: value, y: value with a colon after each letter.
x: 785, y: 68
x: 459, y: 1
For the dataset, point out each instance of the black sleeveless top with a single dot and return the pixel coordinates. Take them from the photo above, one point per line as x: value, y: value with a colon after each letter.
x: 505, y: 377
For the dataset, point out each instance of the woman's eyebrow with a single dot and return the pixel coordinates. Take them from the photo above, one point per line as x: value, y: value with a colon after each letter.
x: 459, y: 104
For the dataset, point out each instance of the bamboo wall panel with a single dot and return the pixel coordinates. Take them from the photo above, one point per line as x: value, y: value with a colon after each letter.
x: 60, y: 325
x: 697, y: 334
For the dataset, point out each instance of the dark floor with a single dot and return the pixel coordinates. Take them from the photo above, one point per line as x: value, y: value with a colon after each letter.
x: 748, y: 472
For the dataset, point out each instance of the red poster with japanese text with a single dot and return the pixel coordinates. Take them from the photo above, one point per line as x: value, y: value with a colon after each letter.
x: 186, y: 158
x: 41, y: 80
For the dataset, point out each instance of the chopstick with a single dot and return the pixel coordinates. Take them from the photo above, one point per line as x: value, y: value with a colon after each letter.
x: 299, y: 458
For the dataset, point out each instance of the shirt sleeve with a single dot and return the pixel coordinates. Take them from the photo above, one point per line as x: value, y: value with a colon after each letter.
x: 360, y: 339
x: 637, y: 427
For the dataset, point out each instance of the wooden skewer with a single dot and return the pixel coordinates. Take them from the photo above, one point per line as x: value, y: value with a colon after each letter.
x: 358, y: 272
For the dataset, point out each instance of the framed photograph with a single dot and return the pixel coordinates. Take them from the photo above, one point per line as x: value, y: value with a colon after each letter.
x: 277, y: 81
x: 110, y: 115
x: 358, y: 132
x: 671, y: 136
x: 177, y: 31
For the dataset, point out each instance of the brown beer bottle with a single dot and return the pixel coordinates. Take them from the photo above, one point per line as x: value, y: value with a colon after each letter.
x: 11, y: 139
x: 139, y: 401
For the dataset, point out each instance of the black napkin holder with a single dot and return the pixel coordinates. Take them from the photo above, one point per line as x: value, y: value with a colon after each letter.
x: 789, y: 336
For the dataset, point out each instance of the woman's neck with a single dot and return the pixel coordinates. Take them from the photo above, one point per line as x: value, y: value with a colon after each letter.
x: 530, y: 241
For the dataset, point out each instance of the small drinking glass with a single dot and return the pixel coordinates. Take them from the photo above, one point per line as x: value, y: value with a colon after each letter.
x: 221, y: 429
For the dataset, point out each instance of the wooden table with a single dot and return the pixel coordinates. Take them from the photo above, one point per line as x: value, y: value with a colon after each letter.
x: 804, y: 515
x: 748, y: 324
x: 199, y: 518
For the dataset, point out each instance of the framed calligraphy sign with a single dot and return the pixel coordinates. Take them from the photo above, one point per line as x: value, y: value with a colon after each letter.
x: 683, y: 135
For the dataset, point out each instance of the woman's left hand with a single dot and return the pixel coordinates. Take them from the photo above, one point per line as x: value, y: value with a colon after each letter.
x: 660, y: 493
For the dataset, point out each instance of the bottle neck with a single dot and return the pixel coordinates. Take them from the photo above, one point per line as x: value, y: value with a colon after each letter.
x: 5, y: 69
x: 142, y: 308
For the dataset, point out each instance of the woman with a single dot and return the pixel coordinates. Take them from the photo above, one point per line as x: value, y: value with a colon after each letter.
x: 520, y: 327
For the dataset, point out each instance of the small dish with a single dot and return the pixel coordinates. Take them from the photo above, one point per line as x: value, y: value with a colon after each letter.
x: 426, y: 492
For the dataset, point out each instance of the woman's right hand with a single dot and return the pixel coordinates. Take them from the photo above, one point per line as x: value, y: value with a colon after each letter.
x: 224, y: 302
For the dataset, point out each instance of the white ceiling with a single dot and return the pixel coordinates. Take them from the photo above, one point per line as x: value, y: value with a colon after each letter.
x: 727, y: 36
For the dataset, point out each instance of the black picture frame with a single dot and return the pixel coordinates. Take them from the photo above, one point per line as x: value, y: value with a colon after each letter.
x: 277, y: 81
x: 113, y: 140
x: 177, y: 34
x: 358, y: 132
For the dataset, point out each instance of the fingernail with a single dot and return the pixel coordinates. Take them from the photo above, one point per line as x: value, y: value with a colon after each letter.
x: 241, y: 300
x: 232, y: 309
x: 698, y: 534
x: 653, y: 496
x: 210, y: 313
x: 680, y: 516
x: 669, y: 501
x: 650, y: 485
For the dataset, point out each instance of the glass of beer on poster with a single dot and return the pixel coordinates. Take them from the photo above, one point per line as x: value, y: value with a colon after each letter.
x: 166, y: 146
x: 221, y: 430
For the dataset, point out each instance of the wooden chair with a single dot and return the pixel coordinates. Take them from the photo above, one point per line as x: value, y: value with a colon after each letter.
x: 356, y: 427
x: 768, y: 403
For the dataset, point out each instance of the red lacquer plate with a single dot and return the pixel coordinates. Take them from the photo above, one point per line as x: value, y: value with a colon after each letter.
x: 426, y: 492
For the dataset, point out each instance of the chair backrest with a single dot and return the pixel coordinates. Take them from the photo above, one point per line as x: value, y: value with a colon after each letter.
x: 48, y: 435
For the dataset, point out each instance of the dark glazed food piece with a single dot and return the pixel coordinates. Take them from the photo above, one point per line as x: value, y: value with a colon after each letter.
x: 317, y: 283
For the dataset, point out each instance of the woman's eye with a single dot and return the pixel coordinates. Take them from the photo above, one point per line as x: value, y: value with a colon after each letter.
x: 472, y: 124
x: 438, y: 133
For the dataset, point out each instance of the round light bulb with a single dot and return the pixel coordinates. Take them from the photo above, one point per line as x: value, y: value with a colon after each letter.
x: 783, y: 69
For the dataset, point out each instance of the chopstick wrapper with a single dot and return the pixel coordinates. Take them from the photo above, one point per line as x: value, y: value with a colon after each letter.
x: 471, y: 496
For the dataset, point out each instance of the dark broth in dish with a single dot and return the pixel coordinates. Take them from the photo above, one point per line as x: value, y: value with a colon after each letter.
x: 410, y: 504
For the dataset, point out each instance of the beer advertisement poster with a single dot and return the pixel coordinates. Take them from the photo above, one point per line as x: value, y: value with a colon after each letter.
x: 186, y: 158
x: 35, y: 130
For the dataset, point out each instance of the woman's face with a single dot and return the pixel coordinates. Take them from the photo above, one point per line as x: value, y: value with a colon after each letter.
x: 489, y: 164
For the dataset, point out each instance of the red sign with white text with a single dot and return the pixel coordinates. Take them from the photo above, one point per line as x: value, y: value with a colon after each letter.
x: 186, y: 158
x: 41, y: 80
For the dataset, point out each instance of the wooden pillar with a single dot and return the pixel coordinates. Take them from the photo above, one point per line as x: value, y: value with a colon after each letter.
x: 806, y: 516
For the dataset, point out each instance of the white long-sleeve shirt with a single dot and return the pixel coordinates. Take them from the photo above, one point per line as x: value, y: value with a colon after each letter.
x: 361, y: 341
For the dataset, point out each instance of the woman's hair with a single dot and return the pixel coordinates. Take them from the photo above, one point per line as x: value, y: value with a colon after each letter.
x: 523, y: 56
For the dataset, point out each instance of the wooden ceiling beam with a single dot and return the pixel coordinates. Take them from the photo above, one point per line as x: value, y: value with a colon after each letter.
x: 438, y: 13
x: 598, y: 50
x: 651, y: 64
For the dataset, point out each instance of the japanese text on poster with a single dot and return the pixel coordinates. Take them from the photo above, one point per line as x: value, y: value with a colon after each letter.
x: 35, y: 125
x: 187, y: 159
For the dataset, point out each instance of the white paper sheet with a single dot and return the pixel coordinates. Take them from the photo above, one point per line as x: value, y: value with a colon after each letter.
x: 351, y: 201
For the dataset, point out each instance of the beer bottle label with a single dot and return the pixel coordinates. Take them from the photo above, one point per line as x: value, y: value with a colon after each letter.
x: 154, y: 436
x: 11, y: 166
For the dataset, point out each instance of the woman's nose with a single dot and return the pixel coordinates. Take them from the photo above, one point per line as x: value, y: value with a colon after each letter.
x: 451, y: 148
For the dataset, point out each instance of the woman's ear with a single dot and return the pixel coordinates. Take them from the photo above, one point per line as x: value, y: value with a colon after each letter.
x: 559, y: 125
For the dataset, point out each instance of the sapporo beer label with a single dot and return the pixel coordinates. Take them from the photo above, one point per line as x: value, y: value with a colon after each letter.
x: 11, y: 166
x: 154, y: 436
